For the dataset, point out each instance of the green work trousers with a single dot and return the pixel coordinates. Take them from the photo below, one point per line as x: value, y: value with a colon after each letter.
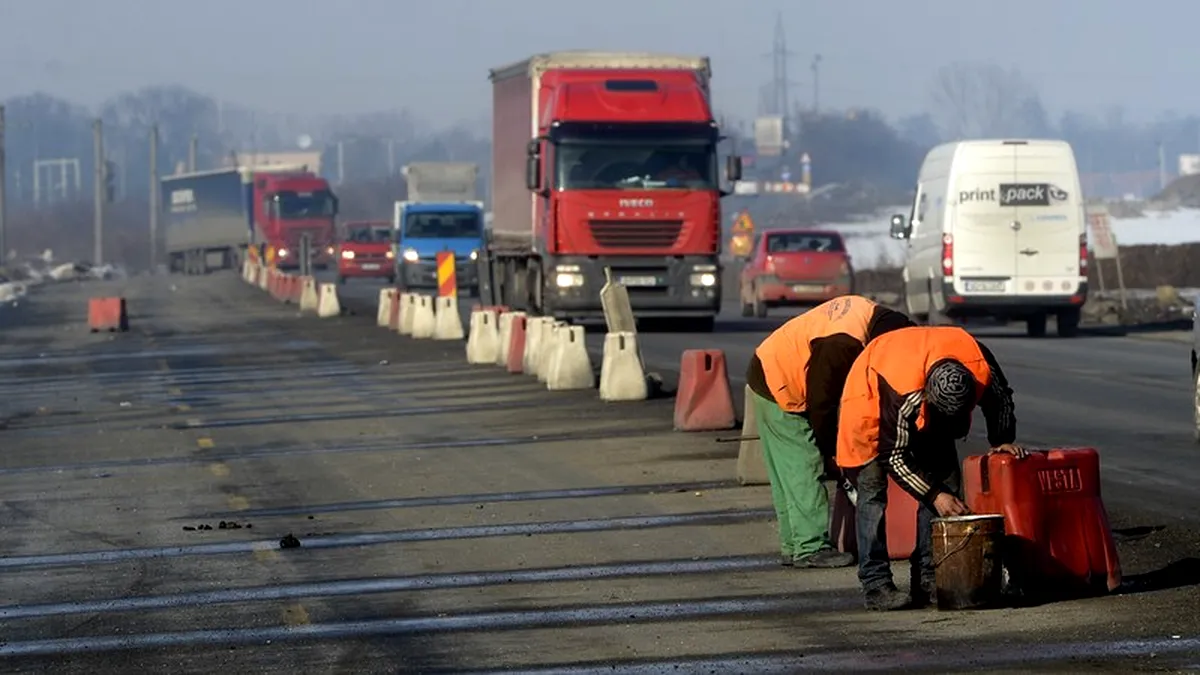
x: 794, y: 466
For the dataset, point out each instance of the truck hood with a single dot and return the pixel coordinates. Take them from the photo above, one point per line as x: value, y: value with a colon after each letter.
x: 429, y: 248
x: 672, y: 222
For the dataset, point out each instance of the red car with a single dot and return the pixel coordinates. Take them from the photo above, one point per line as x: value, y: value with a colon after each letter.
x: 367, y: 252
x: 795, y: 267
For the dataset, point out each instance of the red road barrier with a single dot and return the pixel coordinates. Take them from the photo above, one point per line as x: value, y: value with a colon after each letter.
x: 703, y: 401
x: 516, y: 346
x: 1057, y: 536
x: 901, y: 519
x: 107, y: 314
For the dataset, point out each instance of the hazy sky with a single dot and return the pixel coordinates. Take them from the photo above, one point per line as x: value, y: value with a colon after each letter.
x: 432, y: 57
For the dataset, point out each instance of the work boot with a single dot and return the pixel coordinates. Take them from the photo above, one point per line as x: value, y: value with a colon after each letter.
x: 826, y: 558
x: 924, y: 594
x: 785, y: 560
x: 886, y: 599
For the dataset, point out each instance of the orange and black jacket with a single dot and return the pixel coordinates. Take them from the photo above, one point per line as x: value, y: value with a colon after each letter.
x: 802, y: 366
x: 883, y: 413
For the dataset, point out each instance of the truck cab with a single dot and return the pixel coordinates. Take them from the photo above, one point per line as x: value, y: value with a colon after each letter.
x: 424, y: 230
x: 290, y: 205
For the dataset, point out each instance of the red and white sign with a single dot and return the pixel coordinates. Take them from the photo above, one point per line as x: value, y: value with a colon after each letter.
x: 1104, y: 242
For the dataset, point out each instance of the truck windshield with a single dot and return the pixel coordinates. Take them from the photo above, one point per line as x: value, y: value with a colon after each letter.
x: 297, y: 205
x: 596, y: 165
x: 460, y: 225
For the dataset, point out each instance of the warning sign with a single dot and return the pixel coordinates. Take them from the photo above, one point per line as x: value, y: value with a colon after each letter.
x: 1104, y: 244
x: 743, y: 224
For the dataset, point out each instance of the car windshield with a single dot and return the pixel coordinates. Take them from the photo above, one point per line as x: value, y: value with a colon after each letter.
x: 298, y: 205
x: 597, y: 165
x: 454, y: 225
x: 795, y: 242
x: 369, y: 235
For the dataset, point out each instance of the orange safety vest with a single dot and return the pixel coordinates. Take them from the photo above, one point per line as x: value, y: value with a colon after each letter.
x: 902, y: 358
x: 785, y: 353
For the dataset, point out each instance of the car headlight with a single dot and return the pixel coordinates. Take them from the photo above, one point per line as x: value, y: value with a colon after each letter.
x: 348, y: 255
x: 474, y: 255
x: 329, y: 250
x: 411, y: 255
x: 390, y: 255
x: 706, y: 280
x: 283, y: 253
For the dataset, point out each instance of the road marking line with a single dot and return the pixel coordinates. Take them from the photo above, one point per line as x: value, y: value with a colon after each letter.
x: 264, y: 555
x: 175, y: 391
x: 219, y: 469
x: 204, y: 442
x: 295, y: 615
x: 182, y: 407
x: 194, y: 422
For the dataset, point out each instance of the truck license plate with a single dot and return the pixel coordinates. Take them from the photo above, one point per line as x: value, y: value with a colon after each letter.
x: 370, y: 266
x: 639, y: 281
x: 807, y: 288
x: 984, y: 286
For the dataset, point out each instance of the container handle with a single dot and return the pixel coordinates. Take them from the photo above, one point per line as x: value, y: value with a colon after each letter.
x: 971, y: 530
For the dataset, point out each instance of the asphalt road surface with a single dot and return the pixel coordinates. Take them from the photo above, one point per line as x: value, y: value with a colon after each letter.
x: 233, y: 487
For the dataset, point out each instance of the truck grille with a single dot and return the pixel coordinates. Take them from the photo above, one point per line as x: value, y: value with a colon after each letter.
x: 636, y: 233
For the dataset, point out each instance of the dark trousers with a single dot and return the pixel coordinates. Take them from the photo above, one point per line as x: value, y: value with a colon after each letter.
x: 871, y: 482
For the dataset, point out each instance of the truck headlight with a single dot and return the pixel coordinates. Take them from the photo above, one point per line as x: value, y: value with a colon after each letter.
x: 568, y: 280
x: 706, y: 280
x: 348, y: 255
x: 411, y: 255
x: 704, y: 268
x: 329, y: 250
x: 283, y: 253
x: 474, y: 255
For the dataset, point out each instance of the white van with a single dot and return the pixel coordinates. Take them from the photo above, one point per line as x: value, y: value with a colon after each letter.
x: 997, y: 229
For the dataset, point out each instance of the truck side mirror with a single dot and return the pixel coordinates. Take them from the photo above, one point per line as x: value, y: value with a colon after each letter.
x: 533, y: 172
x: 901, y: 228
x: 733, y: 168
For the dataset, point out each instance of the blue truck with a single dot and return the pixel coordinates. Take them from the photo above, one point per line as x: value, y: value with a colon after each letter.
x: 441, y: 213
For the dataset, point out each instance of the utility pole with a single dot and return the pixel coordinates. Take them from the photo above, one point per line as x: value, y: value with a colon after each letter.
x: 155, y: 192
x: 98, y: 195
x: 192, y: 147
x: 3, y: 181
x: 816, y: 71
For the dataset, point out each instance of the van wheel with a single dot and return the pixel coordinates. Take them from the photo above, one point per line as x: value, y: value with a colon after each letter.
x: 1068, y: 323
x: 906, y: 305
x: 1035, y: 326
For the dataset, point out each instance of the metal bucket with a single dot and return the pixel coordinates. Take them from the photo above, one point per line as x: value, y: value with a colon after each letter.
x: 967, y: 562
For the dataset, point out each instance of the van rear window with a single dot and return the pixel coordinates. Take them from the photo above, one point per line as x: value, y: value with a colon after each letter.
x: 802, y: 243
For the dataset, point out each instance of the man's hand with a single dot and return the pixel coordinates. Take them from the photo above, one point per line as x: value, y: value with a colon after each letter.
x: 948, y: 505
x: 1011, y: 448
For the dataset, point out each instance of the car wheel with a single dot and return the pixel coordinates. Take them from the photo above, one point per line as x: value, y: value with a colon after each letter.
x: 747, y: 309
x: 760, y: 307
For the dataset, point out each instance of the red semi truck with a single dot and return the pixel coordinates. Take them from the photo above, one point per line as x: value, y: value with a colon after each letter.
x: 606, y: 160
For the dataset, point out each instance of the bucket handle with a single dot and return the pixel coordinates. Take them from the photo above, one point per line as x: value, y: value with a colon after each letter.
x: 971, y: 530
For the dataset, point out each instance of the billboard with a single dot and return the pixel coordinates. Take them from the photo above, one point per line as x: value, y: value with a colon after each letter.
x: 768, y: 136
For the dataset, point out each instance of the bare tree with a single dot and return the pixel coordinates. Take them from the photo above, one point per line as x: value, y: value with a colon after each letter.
x: 973, y: 100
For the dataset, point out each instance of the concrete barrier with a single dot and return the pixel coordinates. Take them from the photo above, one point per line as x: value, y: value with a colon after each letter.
x: 424, y: 322
x: 447, y: 322
x: 264, y: 277
x: 506, y: 333
x: 408, y: 309
x: 622, y: 377
x: 483, y: 339
x: 328, y: 305
x: 309, y: 297
x: 751, y: 465
x: 384, y: 312
x: 533, y: 344
x: 247, y: 271
x: 570, y: 367
x: 547, y: 345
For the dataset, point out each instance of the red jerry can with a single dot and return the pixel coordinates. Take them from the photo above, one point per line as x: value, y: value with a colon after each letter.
x: 1057, y: 536
x: 901, y: 522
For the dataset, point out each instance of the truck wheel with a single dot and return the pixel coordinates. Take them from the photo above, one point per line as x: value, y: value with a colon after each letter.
x: 1067, y: 323
x: 392, y: 280
x: 1035, y: 326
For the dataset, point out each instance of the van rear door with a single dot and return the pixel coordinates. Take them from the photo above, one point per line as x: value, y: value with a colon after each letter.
x: 1049, y: 210
x: 984, y: 241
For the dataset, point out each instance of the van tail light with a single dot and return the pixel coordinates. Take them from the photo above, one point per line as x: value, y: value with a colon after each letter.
x: 947, y: 255
x: 1083, y: 254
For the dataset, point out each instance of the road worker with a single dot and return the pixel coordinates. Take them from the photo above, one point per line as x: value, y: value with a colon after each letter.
x: 796, y: 377
x: 909, y: 396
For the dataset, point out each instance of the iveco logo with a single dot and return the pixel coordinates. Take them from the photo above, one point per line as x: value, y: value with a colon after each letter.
x: 635, y: 203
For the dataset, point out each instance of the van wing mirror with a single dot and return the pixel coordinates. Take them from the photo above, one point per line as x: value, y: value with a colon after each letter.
x: 901, y: 228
